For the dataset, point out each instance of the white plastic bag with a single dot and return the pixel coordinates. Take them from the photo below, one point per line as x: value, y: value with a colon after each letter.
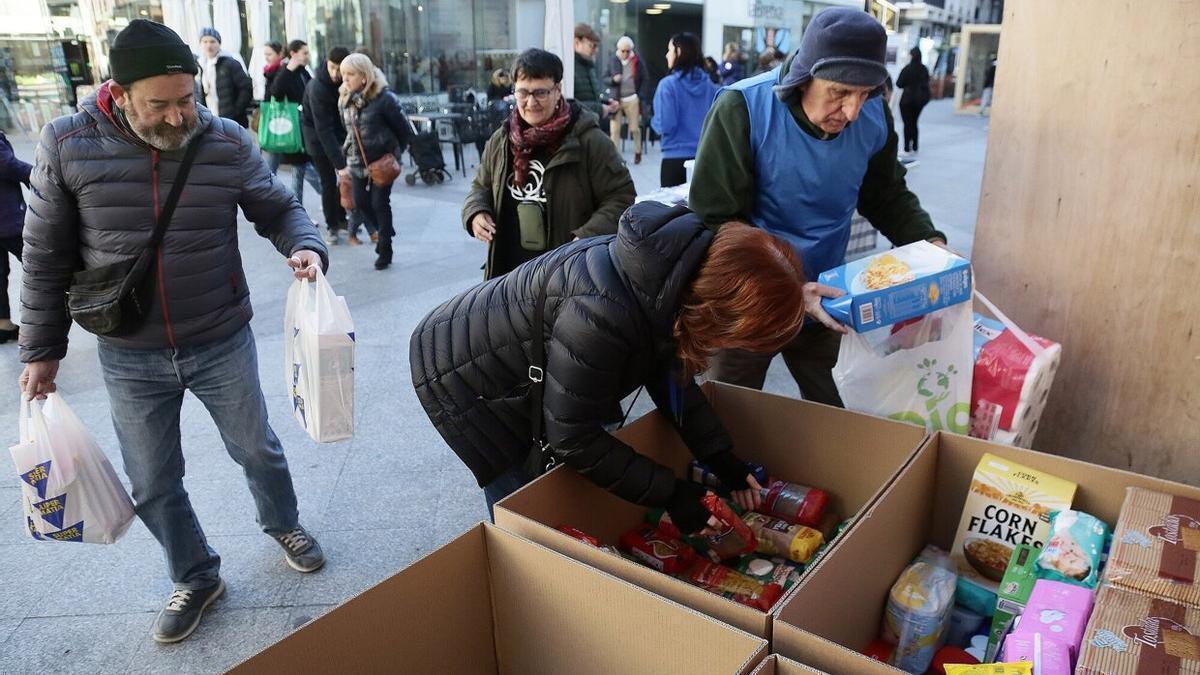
x: 919, y: 372
x: 318, y: 337
x: 68, y: 487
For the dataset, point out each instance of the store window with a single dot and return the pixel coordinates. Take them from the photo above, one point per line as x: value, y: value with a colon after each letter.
x: 423, y: 47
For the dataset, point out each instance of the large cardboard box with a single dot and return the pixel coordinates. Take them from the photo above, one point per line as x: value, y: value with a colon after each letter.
x: 491, y: 603
x: 850, y: 455
x: 782, y: 665
x: 922, y: 506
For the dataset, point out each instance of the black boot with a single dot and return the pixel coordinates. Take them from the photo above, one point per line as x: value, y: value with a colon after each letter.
x: 385, y: 257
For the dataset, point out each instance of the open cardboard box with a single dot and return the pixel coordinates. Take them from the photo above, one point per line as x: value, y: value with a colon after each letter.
x: 782, y: 665
x: 489, y: 602
x: 849, y: 455
x: 922, y: 506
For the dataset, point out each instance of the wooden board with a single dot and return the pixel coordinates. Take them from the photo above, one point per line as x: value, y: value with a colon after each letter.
x: 1089, y: 221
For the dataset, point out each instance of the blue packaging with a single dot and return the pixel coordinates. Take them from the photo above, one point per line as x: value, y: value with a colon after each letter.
x: 902, y: 284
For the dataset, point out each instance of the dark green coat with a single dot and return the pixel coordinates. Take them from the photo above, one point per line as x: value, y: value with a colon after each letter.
x: 589, y: 93
x: 588, y: 186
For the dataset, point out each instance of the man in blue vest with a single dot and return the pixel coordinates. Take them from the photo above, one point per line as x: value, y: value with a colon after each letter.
x: 796, y: 151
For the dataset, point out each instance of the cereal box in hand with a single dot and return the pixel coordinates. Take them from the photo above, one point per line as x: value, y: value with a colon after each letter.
x: 1007, y: 505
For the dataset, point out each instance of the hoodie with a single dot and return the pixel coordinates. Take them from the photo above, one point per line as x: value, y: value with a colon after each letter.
x: 680, y: 106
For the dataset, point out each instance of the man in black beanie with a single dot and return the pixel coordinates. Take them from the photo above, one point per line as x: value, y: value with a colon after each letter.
x: 796, y: 151
x: 103, y: 177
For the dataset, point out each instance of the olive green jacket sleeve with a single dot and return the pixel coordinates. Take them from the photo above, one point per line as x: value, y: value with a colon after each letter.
x: 481, y: 197
x: 611, y: 185
x: 723, y: 185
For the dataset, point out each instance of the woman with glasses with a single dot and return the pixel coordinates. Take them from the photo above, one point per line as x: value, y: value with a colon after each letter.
x: 548, y: 176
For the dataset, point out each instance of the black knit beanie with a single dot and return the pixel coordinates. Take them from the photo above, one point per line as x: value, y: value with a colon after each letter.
x: 841, y: 44
x: 146, y: 49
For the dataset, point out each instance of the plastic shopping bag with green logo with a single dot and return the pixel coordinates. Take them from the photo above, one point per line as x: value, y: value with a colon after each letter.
x: 279, y: 127
x: 917, y: 371
x: 69, y: 490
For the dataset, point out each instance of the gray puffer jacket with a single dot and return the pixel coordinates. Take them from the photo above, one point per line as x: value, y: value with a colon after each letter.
x: 96, y: 193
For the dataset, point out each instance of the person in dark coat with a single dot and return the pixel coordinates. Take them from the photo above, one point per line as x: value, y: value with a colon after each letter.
x: 273, y: 56
x: 96, y: 189
x: 225, y: 86
x: 588, y: 91
x: 375, y: 126
x: 571, y: 179
x: 644, y: 307
x: 323, y: 132
x: 629, y: 81
x: 13, y: 172
x: 914, y: 81
x: 289, y: 84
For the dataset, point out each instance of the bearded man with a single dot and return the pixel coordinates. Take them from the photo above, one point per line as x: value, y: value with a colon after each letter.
x: 103, y: 178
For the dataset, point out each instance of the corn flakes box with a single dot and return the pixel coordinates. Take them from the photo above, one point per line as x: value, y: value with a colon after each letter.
x: 1008, y: 505
x: 902, y: 284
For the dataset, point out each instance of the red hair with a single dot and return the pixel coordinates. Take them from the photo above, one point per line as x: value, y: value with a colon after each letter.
x: 747, y: 295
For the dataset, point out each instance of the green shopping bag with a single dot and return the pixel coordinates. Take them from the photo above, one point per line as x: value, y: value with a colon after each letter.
x: 279, y: 127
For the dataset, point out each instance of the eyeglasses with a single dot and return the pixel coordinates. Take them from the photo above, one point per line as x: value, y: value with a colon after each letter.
x: 539, y: 95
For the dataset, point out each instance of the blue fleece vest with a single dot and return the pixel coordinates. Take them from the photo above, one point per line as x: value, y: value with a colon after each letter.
x: 806, y: 189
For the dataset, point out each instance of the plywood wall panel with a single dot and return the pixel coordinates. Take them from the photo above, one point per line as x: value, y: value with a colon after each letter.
x: 1089, y: 221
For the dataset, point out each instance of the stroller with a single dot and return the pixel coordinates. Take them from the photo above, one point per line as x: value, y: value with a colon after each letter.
x: 426, y: 152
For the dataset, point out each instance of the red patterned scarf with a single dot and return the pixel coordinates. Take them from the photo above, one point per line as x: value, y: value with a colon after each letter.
x: 524, y: 140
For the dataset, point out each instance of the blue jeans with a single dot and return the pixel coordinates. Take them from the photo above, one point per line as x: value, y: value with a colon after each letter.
x: 300, y: 173
x: 504, y: 485
x: 145, y: 391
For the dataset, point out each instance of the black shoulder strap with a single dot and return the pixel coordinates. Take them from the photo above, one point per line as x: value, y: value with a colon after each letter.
x: 537, y: 350
x: 168, y: 207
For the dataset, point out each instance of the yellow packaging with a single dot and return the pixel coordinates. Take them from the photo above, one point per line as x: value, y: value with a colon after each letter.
x: 1019, y: 668
x: 779, y: 538
x: 1008, y: 504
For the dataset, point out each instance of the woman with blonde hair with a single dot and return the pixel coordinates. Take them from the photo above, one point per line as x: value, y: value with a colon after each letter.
x: 732, y: 69
x: 377, y: 133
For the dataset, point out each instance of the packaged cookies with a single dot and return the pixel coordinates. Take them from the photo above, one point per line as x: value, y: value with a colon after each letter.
x: 1131, y: 634
x: 1156, y: 546
x: 1007, y: 505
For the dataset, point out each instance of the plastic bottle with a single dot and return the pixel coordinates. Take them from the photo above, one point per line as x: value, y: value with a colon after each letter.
x: 794, y: 503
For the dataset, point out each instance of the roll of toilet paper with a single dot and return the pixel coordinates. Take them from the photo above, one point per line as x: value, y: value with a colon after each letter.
x: 1014, y: 372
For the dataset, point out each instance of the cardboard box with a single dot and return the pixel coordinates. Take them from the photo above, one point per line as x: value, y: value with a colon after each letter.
x: 849, y: 455
x: 782, y: 665
x: 938, y: 279
x: 922, y: 506
x: 490, y: 602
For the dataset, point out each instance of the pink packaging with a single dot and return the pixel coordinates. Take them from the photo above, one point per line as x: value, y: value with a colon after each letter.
x: 1048, y: 657
x: 1059, y: 612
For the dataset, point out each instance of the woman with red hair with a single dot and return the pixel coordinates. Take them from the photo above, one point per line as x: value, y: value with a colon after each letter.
x: 645, y: 307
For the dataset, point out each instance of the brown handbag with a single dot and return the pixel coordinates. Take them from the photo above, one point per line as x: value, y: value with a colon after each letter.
x: 345, y: 192
x: 383, y: 171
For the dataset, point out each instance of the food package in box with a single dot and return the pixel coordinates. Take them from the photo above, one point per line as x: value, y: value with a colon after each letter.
x: 1008, y: 504
x: 1133, y: 634
x: 1012, y: 378
x: 1156, y: 546
x: 904, y: 283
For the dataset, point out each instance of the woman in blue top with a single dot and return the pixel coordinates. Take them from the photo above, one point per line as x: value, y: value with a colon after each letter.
x: 680, y: 106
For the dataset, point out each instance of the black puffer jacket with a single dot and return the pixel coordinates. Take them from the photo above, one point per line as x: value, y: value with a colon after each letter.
x: 609, y: 313
x: 235, y: 90
x: 382, y: 127
x: 96, y: 193
x: 320, y: 121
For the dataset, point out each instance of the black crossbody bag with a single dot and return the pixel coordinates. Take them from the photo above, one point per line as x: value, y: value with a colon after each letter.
x: 113, y: 300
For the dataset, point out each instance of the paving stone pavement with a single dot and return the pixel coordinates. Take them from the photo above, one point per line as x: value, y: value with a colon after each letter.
x: 376, y: 502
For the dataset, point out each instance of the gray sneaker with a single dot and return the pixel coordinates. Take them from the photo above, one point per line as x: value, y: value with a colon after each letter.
x: 303, y: 552
x: 183, y: 611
